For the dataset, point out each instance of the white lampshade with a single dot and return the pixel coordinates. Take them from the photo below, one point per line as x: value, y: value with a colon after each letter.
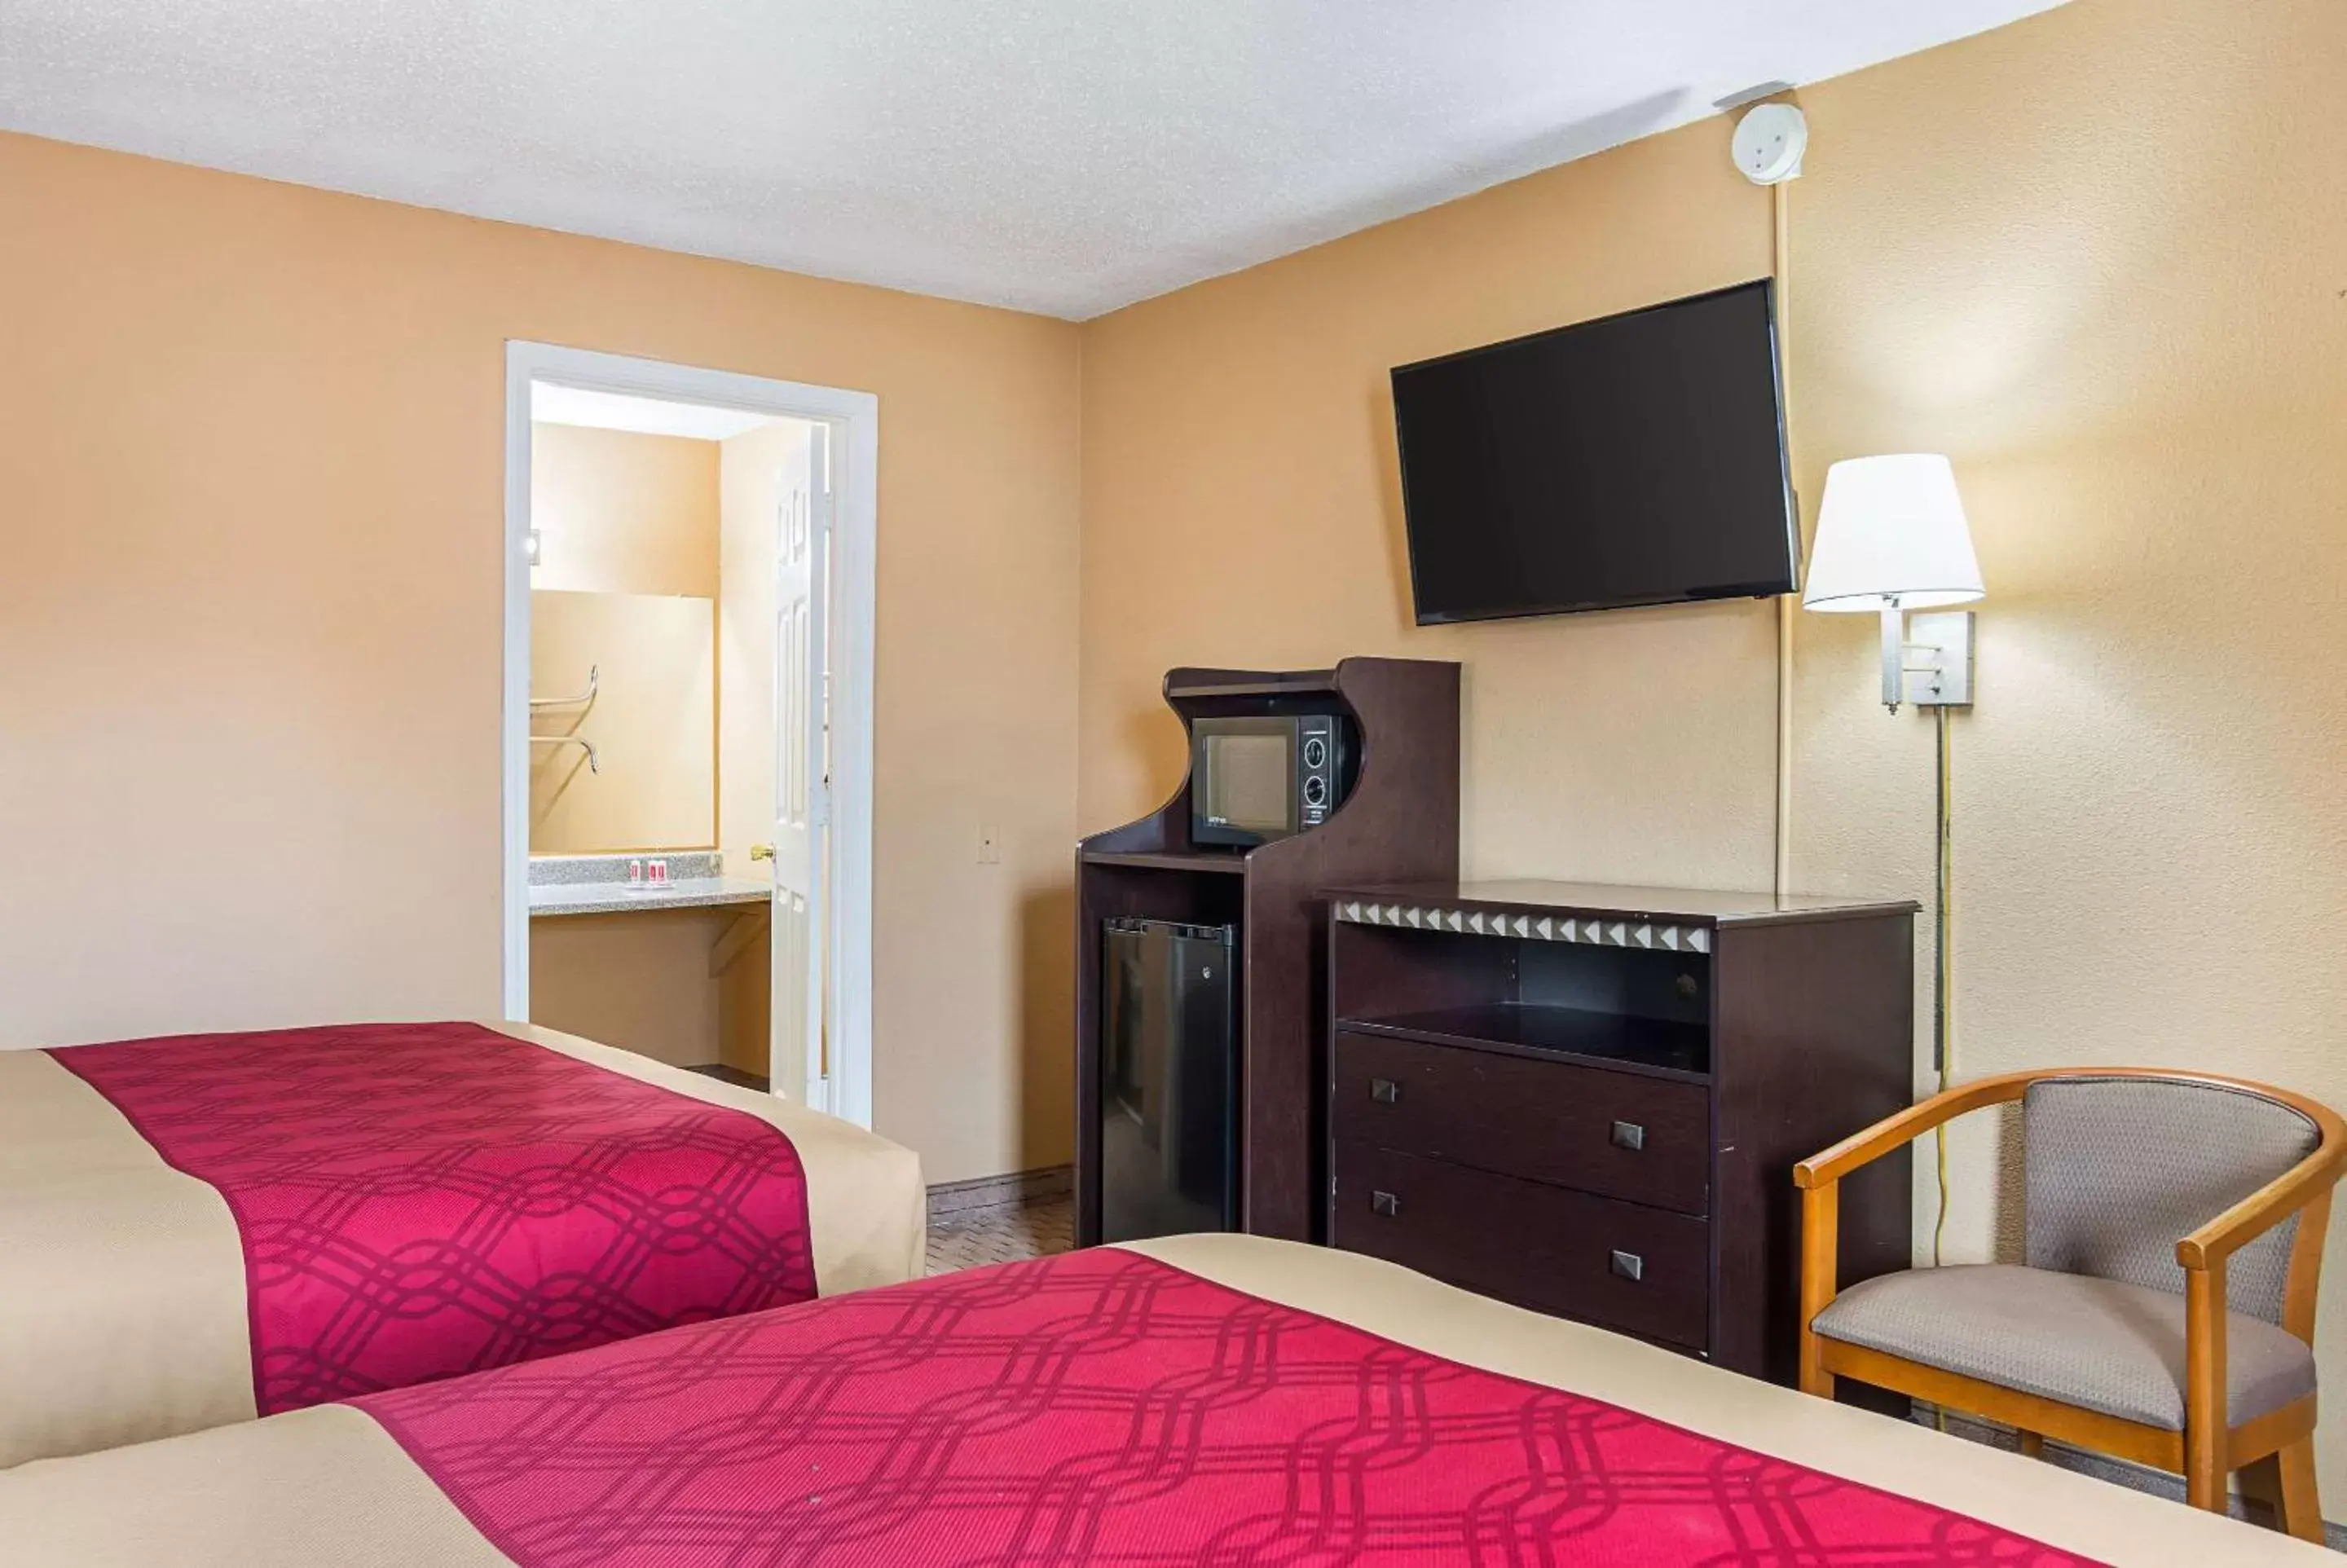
x: 1892, y: 533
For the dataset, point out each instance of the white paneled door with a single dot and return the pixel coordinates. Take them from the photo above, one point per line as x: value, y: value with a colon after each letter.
x: 801, y: 777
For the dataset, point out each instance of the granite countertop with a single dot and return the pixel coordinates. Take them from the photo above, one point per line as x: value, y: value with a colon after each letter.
x: 599, y: 885
x: 614, y: 897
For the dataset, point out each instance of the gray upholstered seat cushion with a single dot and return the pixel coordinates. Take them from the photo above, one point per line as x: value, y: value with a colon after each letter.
x: 2119, y: 1169
x: 2097, y: 1343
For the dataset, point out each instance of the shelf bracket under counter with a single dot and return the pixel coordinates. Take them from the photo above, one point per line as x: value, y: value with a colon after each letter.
x: 738, y: 938
x: 1588, y: 1101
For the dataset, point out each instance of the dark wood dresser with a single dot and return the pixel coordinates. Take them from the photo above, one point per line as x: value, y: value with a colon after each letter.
x: 1588, y: 1099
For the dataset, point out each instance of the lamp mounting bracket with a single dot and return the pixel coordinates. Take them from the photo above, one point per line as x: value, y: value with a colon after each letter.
x: 1938, y: 670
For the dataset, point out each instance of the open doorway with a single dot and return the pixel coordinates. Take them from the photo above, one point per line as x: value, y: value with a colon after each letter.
x: 688, y: 625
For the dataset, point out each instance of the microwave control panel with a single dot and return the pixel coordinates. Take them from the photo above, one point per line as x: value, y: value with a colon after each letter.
x: 1316, y: 767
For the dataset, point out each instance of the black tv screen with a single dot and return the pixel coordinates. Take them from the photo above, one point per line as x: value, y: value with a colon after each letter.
x: 1639, y: 459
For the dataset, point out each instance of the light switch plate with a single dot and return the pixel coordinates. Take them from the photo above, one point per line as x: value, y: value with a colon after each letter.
x: 990, y: 843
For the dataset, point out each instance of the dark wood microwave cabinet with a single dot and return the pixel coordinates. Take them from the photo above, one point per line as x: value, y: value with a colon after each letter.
x: 1588, y: 1101
x: 1401, y: 820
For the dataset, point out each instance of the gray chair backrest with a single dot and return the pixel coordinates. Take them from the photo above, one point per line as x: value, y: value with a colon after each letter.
x: 2119, y: 1170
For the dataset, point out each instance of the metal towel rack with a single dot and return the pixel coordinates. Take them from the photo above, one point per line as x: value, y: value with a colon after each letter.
x: 594, y: 684
x: 594, y: 763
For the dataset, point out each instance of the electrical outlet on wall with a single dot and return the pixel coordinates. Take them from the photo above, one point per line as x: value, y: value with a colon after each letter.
x: 990, y: 843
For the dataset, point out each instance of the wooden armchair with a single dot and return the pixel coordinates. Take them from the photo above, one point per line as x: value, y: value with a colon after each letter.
x: 2194, y: 1355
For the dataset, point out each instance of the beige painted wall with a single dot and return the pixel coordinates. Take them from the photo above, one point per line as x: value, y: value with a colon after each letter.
x: 2133, y: 343
x: 1247, y: 420
x: 618, y: 511
x: 2135, y: 347
x: 249, y: 743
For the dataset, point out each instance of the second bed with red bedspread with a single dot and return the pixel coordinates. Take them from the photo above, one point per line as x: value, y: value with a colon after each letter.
x: 1213, y: 1402
x: 416, y: 1200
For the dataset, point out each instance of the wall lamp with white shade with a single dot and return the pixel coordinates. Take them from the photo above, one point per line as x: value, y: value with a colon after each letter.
x: 1891, y: 538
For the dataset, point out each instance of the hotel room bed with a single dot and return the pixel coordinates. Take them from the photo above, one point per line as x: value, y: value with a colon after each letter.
x: 1219, y: 1400
x: 197, y: 1230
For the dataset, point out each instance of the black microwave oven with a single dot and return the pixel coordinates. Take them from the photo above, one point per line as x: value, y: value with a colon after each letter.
x: 1255, y: 779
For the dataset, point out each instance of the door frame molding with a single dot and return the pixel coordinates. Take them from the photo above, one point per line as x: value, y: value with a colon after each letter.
x: 854, y: 417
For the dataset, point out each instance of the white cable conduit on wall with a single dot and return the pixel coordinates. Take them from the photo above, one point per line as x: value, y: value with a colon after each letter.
x: 1942, y: 849
x: 1788, y: 605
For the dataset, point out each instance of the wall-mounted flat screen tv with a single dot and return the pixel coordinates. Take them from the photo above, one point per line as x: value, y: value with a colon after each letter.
x: 1639, y: 459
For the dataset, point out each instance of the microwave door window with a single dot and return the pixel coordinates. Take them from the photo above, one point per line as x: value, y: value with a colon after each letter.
x: 1248, y: 778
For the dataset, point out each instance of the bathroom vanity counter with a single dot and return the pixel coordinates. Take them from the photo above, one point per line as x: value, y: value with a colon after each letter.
x: 618, y: 897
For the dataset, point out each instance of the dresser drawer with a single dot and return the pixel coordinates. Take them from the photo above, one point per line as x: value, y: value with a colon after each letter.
x: 1620, y: 1265
x: 1614, y: 1134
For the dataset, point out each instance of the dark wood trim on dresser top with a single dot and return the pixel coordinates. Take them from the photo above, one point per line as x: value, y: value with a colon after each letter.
x: 1506, y: 1027
x: 1400, y: 821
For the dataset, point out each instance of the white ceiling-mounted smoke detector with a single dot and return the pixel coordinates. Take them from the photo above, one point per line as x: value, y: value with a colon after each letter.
x: 1770, y: 142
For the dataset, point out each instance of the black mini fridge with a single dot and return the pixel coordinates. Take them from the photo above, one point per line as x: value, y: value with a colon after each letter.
x: 1169, y: 1079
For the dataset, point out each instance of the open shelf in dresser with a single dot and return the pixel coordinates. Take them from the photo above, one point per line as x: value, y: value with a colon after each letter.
x: 1213, y: 862
x: 1656, y: 1046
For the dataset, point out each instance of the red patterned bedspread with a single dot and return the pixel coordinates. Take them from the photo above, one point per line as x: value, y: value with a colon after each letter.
x: 421, y: 1200
x: 1106, y: 1409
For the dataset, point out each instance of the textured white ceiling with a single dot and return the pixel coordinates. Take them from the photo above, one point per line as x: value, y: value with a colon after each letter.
x: 1061, y: 156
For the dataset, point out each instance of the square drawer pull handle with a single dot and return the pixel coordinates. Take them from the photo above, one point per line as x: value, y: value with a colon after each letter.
x: 1384, y: 1091
x: 1629, y: 1135
x: 1388, y: 1204
x: 1630, y: 1266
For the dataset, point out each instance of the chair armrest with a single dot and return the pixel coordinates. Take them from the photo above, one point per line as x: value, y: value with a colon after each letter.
x: 2287, y: 1194
x: 1819, y: 1179
x: 1898, y: 1131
